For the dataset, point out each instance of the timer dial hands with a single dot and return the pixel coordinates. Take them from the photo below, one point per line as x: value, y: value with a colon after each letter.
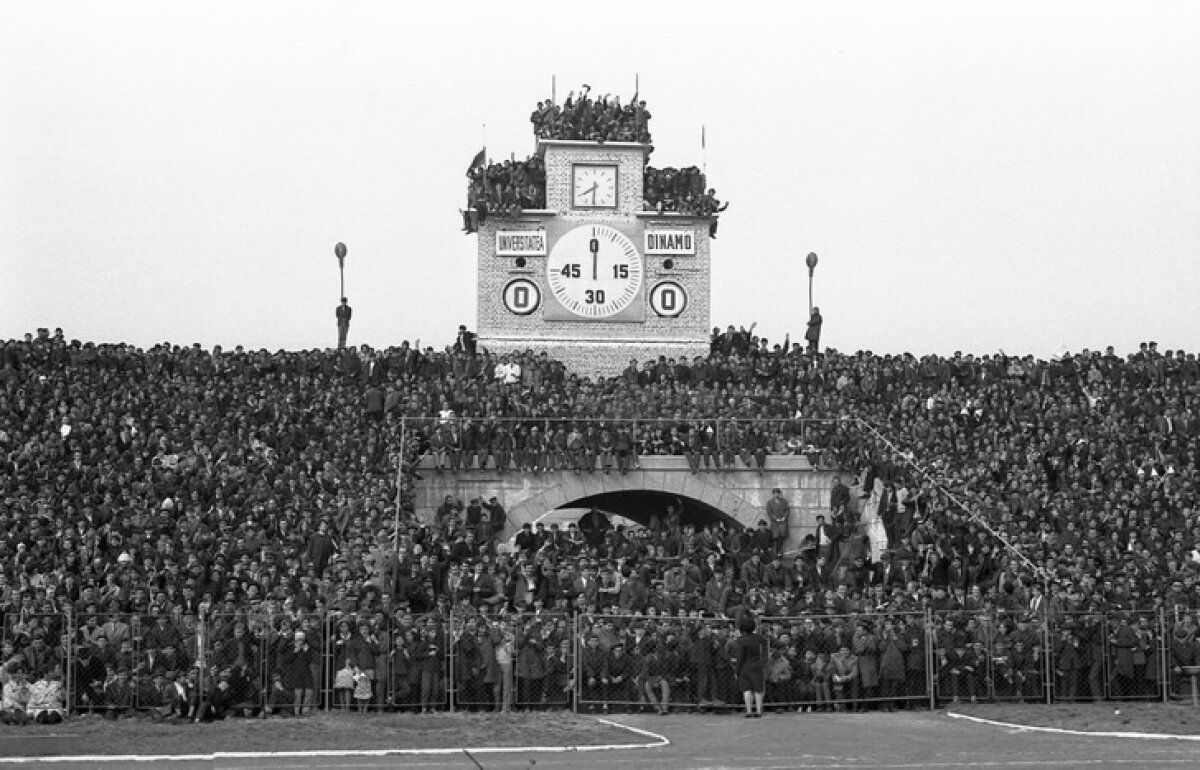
x: 595, y: 247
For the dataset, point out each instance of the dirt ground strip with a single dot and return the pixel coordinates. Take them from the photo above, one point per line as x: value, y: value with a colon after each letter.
x: 1134, y: 716
x: 916, y: 740
x: 321, y: 731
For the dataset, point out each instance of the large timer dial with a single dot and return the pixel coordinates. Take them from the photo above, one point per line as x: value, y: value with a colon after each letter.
x: 594, y: 271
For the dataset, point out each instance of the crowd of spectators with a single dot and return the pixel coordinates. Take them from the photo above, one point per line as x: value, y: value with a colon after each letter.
x: 504, y: 189
x: 507, y: 188
x: 600, y: 120
x: 680, y: 190
x: 150, y: 492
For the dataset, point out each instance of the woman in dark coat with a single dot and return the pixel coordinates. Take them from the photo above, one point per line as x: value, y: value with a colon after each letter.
x: 750, y: 656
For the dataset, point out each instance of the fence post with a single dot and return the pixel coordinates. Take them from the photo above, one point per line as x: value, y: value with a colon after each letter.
x: 990, y: 651
x: 576, y: 653
x: 451, y: 660
x: 264, y: 673
x: 930, y: 674
x: 1164, y: 665
x: 326, y: 661
x: 201, y: 658
x: 1047, y: 672
x: 69, y: 663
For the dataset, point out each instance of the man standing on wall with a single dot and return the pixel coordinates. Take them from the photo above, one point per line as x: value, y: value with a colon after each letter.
x: 778, y: 512
x: 343, y: 313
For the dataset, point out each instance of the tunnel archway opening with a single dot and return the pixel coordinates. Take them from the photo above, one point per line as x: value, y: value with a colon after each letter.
x: 640, y: 504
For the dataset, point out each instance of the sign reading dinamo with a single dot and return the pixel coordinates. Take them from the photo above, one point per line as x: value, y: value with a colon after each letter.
x: 661, y: 242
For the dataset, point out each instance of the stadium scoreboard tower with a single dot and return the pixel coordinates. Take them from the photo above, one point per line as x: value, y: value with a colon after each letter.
x: 594, y: 279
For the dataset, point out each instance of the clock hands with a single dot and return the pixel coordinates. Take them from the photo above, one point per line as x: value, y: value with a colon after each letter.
x: 595, y: 247
x: 592, y: 190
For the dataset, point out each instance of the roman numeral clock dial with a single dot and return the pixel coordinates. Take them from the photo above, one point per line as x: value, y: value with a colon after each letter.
x: 594, y: 271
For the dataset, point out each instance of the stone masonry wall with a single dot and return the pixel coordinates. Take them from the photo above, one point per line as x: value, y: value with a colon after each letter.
x: 741, y: 494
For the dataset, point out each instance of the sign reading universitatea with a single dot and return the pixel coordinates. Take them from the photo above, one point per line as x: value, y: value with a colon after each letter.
x: 521, y: 243
x: 670, y: 242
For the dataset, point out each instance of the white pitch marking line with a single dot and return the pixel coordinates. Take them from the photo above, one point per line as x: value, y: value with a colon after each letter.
x: 1064, y: 731
x: 28, y: 737
x: 658, y: 742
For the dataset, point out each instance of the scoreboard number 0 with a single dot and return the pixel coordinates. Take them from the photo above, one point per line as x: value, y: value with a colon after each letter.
x: 522, y: 296
x: 668, y: 299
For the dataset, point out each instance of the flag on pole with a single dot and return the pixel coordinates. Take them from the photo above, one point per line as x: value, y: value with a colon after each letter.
x: 478, y: 160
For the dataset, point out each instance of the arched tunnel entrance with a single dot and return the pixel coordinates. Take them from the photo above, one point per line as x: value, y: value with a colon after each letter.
x: 640, y: 504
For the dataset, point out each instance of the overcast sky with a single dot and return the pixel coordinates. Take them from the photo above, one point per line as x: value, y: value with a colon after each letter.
x: 973, y: 176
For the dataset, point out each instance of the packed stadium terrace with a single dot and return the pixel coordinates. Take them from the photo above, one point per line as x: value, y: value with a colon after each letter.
x: 199, y: 534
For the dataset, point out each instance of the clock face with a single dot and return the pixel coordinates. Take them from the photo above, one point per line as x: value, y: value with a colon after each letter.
x: 594, y: 187
x: 594, y: 271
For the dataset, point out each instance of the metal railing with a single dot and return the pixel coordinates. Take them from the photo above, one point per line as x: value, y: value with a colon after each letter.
x: 545, y: 444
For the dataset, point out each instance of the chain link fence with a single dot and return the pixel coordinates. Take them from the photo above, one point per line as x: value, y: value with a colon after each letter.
x: 1079, y: 647
x: 815, y: 663
x: 419, y: 660
x: 1134, y: 655
x: 1182, y: 653
x: 988, y: 656
x: 35, y: 652
x: 176, y: 666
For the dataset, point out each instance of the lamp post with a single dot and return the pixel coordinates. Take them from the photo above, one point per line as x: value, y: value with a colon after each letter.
x: 339, y: 251
x: 811, y: 261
